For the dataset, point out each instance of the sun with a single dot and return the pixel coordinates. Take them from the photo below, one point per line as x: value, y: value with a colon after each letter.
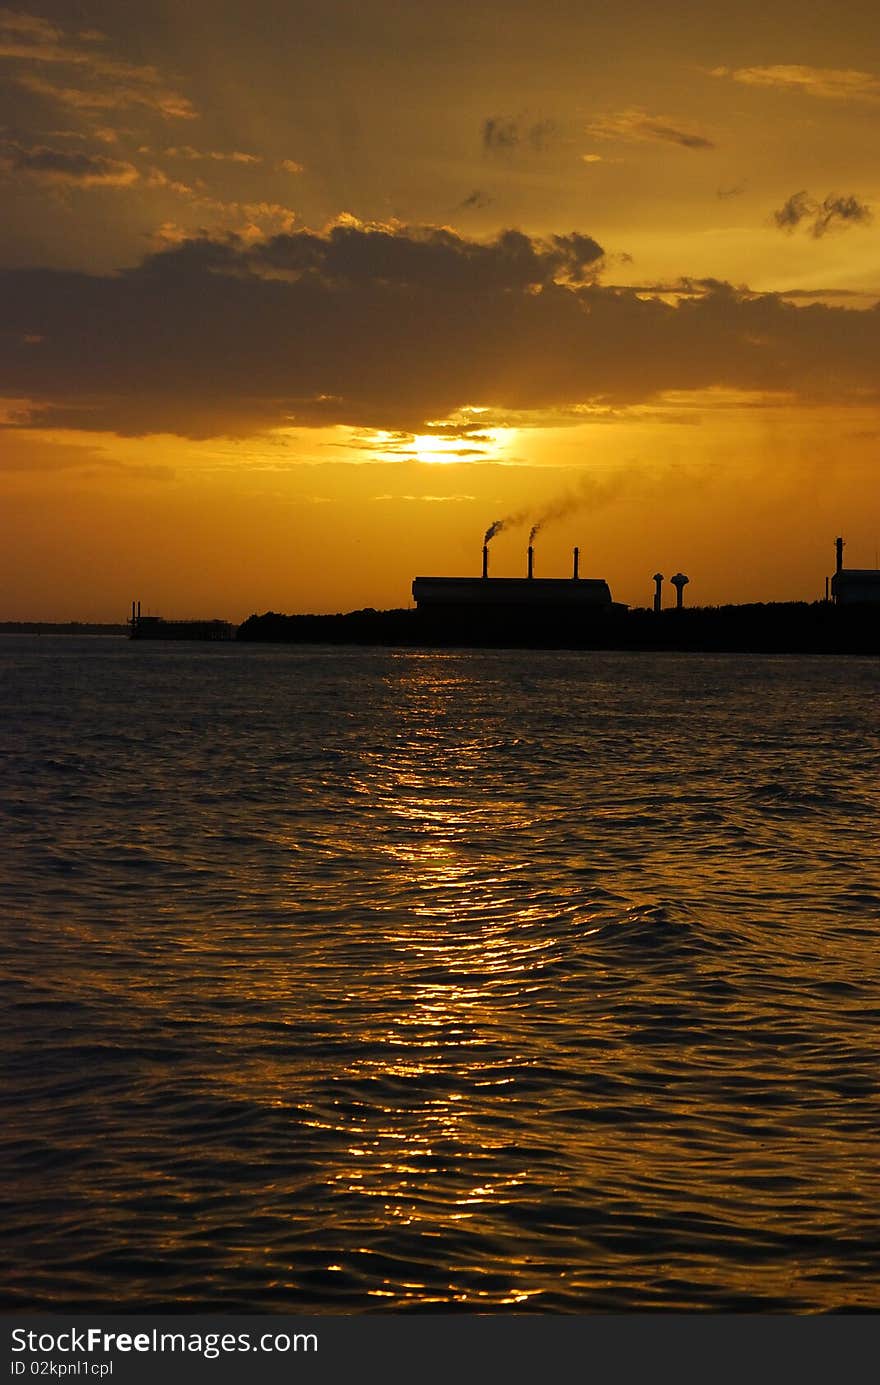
x: 436, y: 450
x: 486, y: 445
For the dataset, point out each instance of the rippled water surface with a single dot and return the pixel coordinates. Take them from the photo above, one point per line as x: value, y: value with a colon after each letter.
x: 347, y: 979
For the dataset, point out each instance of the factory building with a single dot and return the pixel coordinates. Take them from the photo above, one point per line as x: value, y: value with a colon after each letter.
x: 854, y: 586
x: 509, y: 598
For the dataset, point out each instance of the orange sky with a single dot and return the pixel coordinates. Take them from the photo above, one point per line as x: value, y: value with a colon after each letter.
x: 298, y: 299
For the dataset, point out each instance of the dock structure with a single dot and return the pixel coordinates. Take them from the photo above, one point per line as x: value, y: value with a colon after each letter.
x: 157, y: 628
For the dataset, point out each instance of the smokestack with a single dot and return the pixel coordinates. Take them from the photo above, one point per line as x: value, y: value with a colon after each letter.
x: 531, y: 560
x: 132, y: 612
x: 139, y: 610
x: 574, y: 574
x: 658, y: 583
x: 485, y: 560
x: 838, y: 544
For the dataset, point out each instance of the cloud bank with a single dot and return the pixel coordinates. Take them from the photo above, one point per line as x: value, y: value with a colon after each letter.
x: 396, y: 327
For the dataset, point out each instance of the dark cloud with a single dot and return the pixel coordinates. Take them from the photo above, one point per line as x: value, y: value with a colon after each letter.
x: 474, y: 201
x: 389, y: 327
x: 499, y: 132
x: 437, y: 257
x: 834, y: 213
x: 686, y: 138
x: 794, y: 211
x: 541, y: 134
x: 503, y: 133
x: 43, y: 164
x: 841, y: 211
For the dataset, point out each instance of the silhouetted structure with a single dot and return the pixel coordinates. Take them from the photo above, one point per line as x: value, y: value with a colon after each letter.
x: 793, y: 627
x: 853, y: 586
x: 679, y: 581
x: 156, y: 628
x: 527, y: 594
x: 501, y: 606
x: 658, y: 599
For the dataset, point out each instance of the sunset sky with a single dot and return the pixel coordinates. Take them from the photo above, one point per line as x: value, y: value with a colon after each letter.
x: 298, y: 298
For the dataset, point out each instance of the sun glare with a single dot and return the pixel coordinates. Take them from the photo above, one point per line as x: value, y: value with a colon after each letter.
x: 488, y: 444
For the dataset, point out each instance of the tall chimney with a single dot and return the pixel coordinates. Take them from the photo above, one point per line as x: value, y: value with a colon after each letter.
x: 577, y: 553
x: 838, y: 544
x: 132, y: 613
x: 485, y: 560
x: 531, y: 560
x: 139, y: 610
x: 658, y: 583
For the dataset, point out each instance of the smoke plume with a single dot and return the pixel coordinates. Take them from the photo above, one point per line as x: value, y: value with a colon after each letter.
x: 590, y: 494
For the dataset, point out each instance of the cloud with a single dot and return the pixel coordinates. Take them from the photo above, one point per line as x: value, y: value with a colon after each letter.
x: 352, y: 252
x: 834, y: 213
x: 474, y: 201
x: 40, y: 163
x: 540, y: 135
x: 499, y: 132
x: 799, y: 206
x: 433, y: 499
x: 291, y: 166
x: 390, y: 327
x: 28, y: 26
x: 111, y: 97
x: 101, y: 83
x: 36, y: 456
x: 250, y: 221
x: 502, y: 134
x: 186, y: 151
x: 831, y: 83
x: 157, y: 178
x: 635, y: 125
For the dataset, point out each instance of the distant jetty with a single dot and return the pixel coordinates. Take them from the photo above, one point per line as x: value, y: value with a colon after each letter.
x: 790, y: 627
x: 157, y: 628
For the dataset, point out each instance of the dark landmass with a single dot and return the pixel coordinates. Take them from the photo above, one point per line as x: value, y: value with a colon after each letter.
x: 70, y: 627
x: 794, y: 627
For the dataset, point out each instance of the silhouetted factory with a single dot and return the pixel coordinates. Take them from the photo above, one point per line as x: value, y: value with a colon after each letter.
x: 508, y: 599
x: 852, y: 586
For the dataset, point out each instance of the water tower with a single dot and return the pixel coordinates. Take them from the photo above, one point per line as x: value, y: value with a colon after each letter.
x: 679, y: 581
x: 658, y: 600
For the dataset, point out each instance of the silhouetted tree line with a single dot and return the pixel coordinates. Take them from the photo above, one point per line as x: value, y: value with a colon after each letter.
x: 792, y: 627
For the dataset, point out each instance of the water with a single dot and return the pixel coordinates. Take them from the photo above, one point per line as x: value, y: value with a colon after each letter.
x: 358, y: 979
